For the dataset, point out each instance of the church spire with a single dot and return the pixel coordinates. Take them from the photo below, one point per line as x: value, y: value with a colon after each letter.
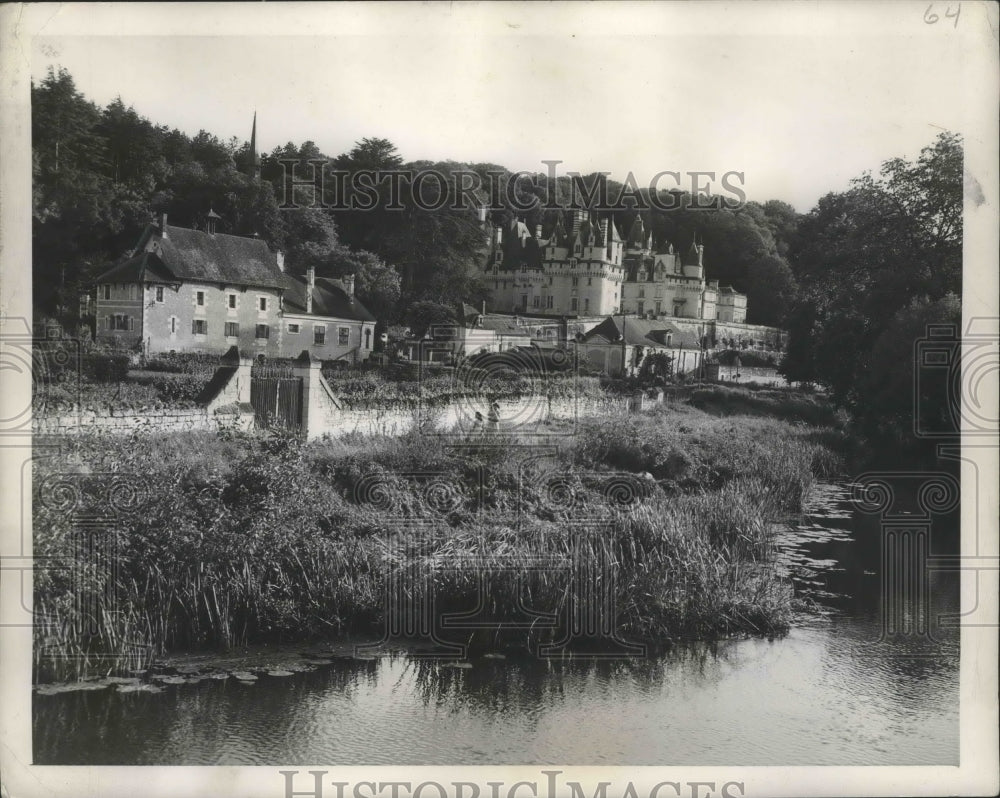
x: 254, y: 166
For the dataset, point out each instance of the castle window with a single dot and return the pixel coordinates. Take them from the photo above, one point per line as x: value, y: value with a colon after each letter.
x: 589, y: 280
x: 262, y: 332
x: 642, y: 291
x: 638, y: 307
x: 159, y: 293
x: 319, y: 334
x: 659, y: 307
x: 232, y: 301
x: 107, y: 290
x: 199, y: 327
x: 232, y: 329
x: 576, y: 280
x: 262, y: 303
x: 173, y: 325
x: 548, y: 302
x: 343, y: 336
x: 586, y: 304
x: 572, y: 304
x: 293, y: 329
x: 199, y: 298
x: 536, y: 302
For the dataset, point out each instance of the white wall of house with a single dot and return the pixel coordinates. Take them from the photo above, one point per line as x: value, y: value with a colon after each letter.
x: 326, y: 338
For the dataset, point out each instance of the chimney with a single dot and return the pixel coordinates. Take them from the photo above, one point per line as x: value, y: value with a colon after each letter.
x: 578, y: 216
x: 279, y: 256
x: 701, y: 252
x: 604, y: 230
x: 348, y: 282
x: 163, y: 225
x: 484, y: 307
x: 310, y: 286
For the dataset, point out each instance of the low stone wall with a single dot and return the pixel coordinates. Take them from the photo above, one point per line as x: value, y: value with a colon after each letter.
x: 745, y: 374
x: 526, y: 415
x: 146, y: 421
x: 224, y: 404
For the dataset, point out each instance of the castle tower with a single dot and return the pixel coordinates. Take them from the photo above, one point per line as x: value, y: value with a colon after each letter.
x: 637, y: 235
x: 692, y: 263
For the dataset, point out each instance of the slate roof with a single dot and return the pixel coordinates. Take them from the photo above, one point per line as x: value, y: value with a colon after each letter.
x: 643, y: 332
x: 145, y: 265
x: 329, y: 299
x: 503, y: 326
x: 219, y: 258
x: 196, y: 255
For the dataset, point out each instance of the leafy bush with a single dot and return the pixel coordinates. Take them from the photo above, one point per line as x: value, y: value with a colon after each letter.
x: 171, y: 388
x: 105, y: 366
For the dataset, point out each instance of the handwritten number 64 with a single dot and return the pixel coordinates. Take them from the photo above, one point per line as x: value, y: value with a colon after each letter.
x: 930, y: 17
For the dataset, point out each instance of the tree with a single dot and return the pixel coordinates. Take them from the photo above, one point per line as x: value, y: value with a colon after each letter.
x: 425, y: 313
x: 890, y: 387
x: 771, y: 291
x: 867, y: 260
x: 799, y: 361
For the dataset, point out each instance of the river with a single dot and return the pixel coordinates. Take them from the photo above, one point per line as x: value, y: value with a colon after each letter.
x: 837, y: 690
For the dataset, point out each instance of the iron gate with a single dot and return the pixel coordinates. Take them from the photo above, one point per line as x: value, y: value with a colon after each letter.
x: 276, y: 397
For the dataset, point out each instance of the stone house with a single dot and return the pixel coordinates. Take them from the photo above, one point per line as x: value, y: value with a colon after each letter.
x: 620, y: 339
x: 322, y: 314
x: 184, y: 290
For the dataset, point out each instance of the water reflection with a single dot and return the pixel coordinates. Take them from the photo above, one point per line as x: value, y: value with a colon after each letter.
x: 834, y: 691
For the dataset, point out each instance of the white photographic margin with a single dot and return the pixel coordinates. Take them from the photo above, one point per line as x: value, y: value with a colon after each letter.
x: 20, y: 25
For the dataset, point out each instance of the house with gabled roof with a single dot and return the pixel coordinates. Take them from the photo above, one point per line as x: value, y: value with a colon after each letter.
x: 629, y: 340
x: 323, y: 315
x: 183, y: 290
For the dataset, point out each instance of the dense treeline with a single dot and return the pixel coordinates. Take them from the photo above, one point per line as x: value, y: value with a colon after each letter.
x: 854, y: 281
x: 877, y: 265
x: 101, y: 174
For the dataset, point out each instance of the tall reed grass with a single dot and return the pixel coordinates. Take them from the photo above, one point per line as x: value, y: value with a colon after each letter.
x: 229, y: 539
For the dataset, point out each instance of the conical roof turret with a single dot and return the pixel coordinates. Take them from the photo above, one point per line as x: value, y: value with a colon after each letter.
x: 637, y: 235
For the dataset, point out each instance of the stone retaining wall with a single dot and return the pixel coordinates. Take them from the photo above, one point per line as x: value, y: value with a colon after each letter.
x: 224, y: 404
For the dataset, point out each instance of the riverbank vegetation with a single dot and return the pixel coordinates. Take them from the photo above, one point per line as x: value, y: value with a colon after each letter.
x: 216, y: 540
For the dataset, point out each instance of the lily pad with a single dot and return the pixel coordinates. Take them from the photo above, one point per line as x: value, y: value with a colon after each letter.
x: 139, y: 688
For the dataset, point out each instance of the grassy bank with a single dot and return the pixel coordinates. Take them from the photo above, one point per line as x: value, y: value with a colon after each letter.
x: 224, y: 540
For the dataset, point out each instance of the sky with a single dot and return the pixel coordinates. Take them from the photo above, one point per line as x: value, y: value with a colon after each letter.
x: 800, y: 98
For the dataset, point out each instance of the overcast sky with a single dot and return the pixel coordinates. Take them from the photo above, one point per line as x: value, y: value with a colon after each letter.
x: 800, y: 98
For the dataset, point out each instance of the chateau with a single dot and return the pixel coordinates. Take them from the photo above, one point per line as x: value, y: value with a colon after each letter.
x: 586, y: 268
